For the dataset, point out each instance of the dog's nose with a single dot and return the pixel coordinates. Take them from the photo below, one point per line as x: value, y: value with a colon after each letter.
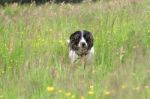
x: 83, y: 44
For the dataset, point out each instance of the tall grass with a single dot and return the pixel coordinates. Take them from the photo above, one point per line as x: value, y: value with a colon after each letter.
x: 33, y: 51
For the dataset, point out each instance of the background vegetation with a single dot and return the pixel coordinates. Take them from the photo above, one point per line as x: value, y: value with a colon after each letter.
x: 33, y: 51
x: 3, y: 2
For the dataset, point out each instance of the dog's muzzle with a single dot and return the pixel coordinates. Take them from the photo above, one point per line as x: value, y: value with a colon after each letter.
x: 83, y: 45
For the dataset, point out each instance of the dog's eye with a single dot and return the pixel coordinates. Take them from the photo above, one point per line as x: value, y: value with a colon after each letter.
x: 77, y: 36
x: 87, y: 37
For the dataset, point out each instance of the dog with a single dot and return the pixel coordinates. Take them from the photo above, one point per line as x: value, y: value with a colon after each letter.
x: 81, y: 46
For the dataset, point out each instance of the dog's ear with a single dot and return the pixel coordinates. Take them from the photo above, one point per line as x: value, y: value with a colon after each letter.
x: 74, y: 39
x: 89, y: 38
x: 74, y: 35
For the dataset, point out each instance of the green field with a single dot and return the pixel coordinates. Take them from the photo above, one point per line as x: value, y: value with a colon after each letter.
x: 34, y: 55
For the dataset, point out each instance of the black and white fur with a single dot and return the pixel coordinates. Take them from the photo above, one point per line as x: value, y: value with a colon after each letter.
x: 80, y: 46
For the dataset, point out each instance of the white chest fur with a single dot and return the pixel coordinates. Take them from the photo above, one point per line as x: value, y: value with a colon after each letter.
x: 87, y: 58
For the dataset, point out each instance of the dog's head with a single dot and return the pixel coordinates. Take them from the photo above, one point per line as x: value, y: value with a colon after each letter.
x: 81, y: 41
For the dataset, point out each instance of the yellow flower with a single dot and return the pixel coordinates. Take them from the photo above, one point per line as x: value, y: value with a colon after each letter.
x: 50, y: 89
x: 60, y: 91
x: 136, y: 88
x: 146, y: 86
x: 1, y: 96
x: 123, y: 86
x: 73, y: 96
x: 50, y: 30
x: 68, y: 94
x: 93, y: 71
x: 107, y: 92
x: 82, y: 97
x: 134, y: 46
x: 91, y: 92
x: 91, y: 87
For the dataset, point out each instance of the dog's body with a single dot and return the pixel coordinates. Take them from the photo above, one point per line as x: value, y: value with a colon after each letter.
x: 81, y: 46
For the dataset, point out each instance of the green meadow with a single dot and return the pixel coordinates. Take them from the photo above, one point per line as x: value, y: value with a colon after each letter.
x: 34, y: 60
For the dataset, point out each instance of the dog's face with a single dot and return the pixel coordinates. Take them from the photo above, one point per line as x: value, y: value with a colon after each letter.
x: 81, y: 41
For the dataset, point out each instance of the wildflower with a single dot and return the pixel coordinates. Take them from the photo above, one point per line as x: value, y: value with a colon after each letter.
x: 93, y: 71
x: 123, y: 86
x: 50, y: 89
x: 91, y: 92
x: 107, y: 92
x: 3, y: 72
x: 134, y: 46
x: 1, y: 96
x: 50, y: 30
x: 73, y: 96
x: 91, y: 87
x: 146, y: 86
x: 60, y: 91
x: 82, y: 97
x: 136, y: 88
x: 68, y: 94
